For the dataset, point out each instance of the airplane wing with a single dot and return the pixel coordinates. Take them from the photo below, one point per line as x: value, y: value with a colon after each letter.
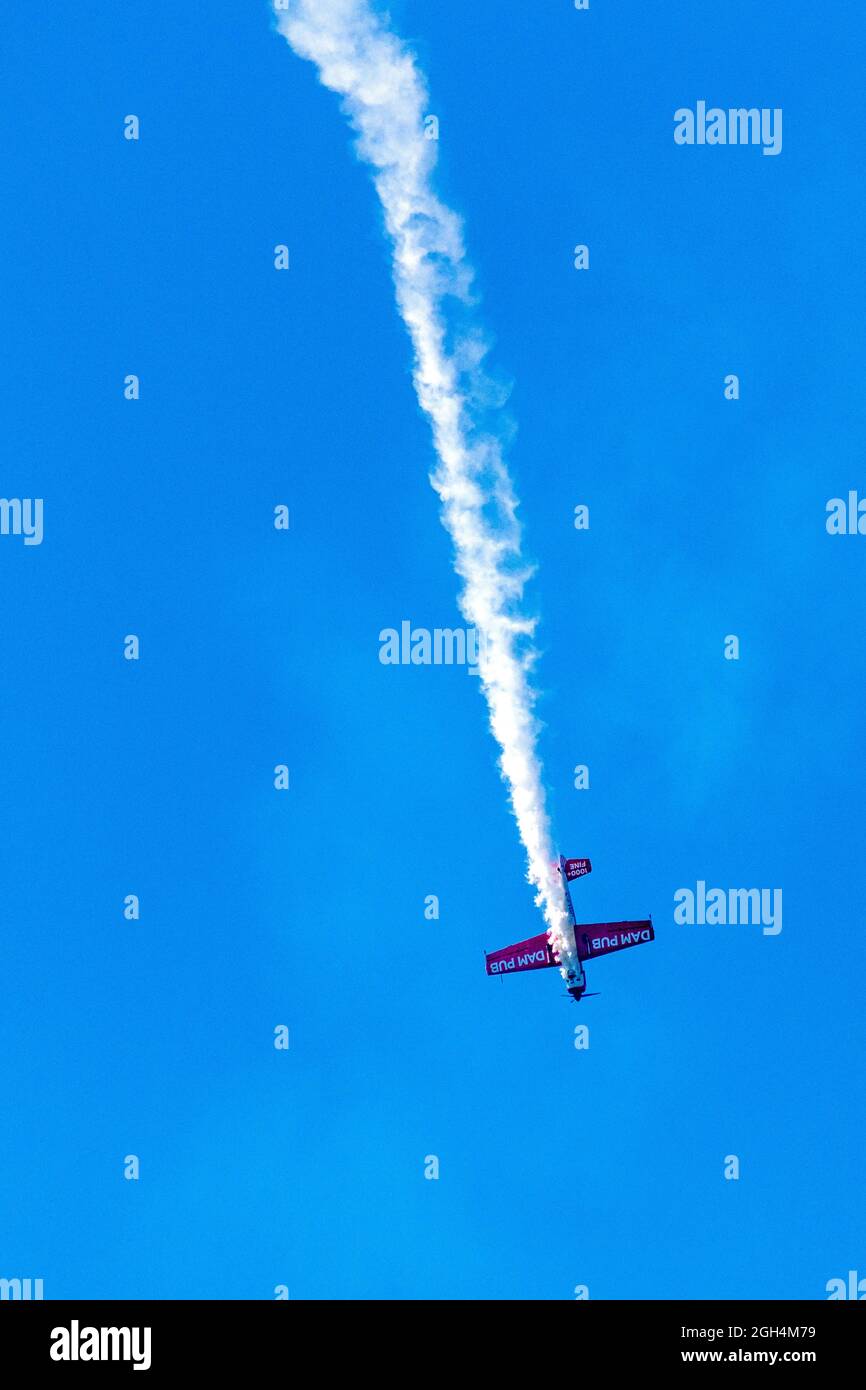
x: 600, y: 938
x: 532, y: 954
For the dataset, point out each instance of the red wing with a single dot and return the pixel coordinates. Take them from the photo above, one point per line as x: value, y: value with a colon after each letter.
x: 533, y: 954
x: 600, y: 938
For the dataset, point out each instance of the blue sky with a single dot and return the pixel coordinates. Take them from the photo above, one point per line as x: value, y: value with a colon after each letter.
x: 558, y: 1167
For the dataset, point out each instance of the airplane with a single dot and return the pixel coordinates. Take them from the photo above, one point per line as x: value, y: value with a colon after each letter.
x: 591, y: 939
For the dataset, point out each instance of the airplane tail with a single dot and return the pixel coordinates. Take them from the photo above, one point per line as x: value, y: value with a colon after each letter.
x: 574, y: 868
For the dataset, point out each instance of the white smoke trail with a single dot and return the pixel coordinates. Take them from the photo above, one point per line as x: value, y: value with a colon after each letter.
x: 385, y: 97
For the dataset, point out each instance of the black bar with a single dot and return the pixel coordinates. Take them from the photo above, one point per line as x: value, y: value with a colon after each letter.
x: 220, y: 1338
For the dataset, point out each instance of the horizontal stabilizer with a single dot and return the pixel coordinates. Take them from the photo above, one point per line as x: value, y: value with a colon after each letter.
x: 600, y: 938
x: 534, y: 954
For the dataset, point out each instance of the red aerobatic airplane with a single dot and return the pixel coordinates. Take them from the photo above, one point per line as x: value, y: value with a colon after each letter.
x: 591, y: 939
